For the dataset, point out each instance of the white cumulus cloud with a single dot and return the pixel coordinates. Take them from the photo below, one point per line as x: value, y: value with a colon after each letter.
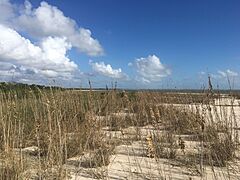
x: 107, y: 70
x: 43, y: 54
x: 19, y: 56
x: 150, y: 69
x: 6, y: 11
x: 47, y: 20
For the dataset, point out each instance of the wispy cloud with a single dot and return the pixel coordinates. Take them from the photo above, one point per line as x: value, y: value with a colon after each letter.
x: 227, y: 73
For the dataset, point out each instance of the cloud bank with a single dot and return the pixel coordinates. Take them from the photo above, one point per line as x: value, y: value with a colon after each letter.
x: 50, y: 35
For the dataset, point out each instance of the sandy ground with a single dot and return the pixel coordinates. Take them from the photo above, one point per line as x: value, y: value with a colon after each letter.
x: 225, y: 110
x: 130, y: 161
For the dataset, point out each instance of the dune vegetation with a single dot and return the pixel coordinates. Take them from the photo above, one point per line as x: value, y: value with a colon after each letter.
x: 55, y: 133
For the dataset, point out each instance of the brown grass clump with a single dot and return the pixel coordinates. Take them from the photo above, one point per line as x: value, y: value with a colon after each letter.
x: 221, y: 151
x: 180, y: 121
x: 47, y: 120
x: 219, y: 148
x: 9, y: 173
x: 165, y: 145
x: 10, y: 166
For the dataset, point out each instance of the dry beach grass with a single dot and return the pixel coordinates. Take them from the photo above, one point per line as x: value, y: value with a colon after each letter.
x: 68, y: 134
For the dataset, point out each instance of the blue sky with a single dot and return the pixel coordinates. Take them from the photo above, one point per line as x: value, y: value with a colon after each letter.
x: 156, y: 44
